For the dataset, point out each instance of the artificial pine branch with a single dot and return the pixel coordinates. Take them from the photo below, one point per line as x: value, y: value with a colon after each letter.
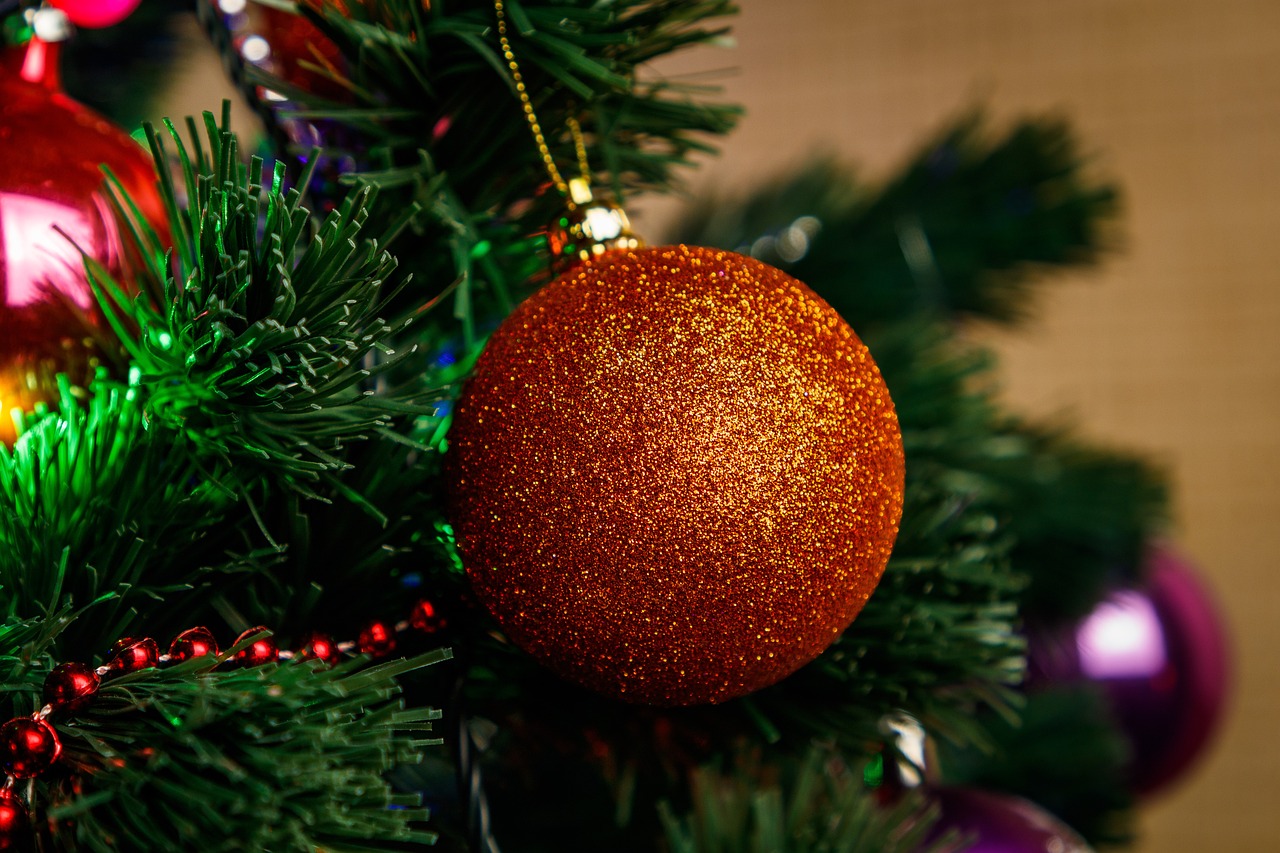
x: 261, y: 340
x: 959, y: 231
x: 93, y: 512
x: 818, y: 807
x: 431, y: 115
x: 1065, y: 754
x: 278, y: 757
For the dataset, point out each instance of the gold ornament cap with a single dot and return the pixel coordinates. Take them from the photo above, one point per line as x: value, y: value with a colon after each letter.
x: 588, y: 228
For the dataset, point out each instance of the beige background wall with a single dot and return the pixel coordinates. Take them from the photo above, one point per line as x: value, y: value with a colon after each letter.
x: 1171, y: 347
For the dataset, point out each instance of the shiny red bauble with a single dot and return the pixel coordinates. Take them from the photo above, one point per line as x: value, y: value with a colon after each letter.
x: 261, y: 651
x: 15, y: 822
x: 69, y: 687
x: 319, y: 646
x: 193, y: 643
x: 53, y: 206
x: 427, y: 618
x: 294, y: 40
x: 28, y: 747
x: 132, y: 654
x: 377, y: 640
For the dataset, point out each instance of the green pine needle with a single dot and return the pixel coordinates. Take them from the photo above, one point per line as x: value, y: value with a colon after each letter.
x: 278, y: 757
x: 261, y: 338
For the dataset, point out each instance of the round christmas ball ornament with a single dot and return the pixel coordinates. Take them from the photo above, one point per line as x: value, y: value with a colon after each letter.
x: 15, y: 822
x: 258, y: 653
x: 70, y: 686
x: 92, y: 14
x: 193, y: 643
x: 53, y: 205
x: 675, y: 476
x: 1158, y: 652
x: 133, y: 654
x: 999, y: 823
x: 28, y: 747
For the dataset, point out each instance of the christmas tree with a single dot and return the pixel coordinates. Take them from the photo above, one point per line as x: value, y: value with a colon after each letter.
x: 378, y: 487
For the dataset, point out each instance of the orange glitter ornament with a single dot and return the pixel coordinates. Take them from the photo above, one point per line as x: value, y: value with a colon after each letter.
x: 676, y: 475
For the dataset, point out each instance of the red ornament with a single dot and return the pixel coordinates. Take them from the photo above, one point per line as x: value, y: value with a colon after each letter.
x: 675, y: 475
x: 132, y: 654
x: 293, y: 40
x: 193, y: 643
x: 50, y: 148
x: 377, y: 640
x: 15, y: 823
x: 260, y: 651
x: 70, y: 686
x: 320, y: 647
x: 28, y: 747
x: 426, y: 618
x: 92, y: 14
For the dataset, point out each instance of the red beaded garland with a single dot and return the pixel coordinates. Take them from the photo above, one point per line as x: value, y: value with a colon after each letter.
x: 15, y: 823
x: 70, y: 686
x: 132, y: 654
x: 193, y: 643
x: 28, y: 747
x: 261, y: 651
x: 377, y: 640
x: 426, y: 618
x: 319, y: 646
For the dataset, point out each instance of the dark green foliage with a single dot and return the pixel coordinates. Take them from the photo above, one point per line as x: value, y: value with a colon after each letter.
x: 579, y: 59
x: 91, y: 509
x: 258, y: 392
x: 433, y: 117
x: 956, y: 233
x: 287, y: 757
x: 818, y: 807
x: 1081, y: 517
x: 261, y: 339
x: 1065, y: 754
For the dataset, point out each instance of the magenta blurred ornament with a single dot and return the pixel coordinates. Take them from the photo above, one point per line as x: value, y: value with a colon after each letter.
x: 1001, y: 823
x: 92, y: 14
x: 1158, y: 651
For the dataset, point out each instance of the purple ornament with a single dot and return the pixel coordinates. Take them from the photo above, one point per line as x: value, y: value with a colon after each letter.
x: 1000, y: 823
x: 1158, y: 651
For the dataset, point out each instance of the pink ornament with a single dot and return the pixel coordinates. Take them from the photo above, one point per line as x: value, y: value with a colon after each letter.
x: 93, y: 14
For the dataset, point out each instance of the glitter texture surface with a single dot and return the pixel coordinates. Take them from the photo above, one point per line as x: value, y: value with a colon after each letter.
x: 676, y: 475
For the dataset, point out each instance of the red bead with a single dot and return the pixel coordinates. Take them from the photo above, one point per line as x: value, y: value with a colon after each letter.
x: 426, y: 618
x: 15, y: 823
x: 132, y: 654
x: 261, y: 651
x: 320, y: 647
x: 70, y: 686
x: 377, y: 640
x: 28, y: 747
x: 193, y: 643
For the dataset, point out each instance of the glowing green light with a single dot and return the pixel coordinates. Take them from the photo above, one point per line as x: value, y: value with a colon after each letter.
x: 479, y: 250
x: 873, y: 773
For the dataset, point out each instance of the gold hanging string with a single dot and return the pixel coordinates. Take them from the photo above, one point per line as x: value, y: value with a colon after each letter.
x: 575, y: 192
